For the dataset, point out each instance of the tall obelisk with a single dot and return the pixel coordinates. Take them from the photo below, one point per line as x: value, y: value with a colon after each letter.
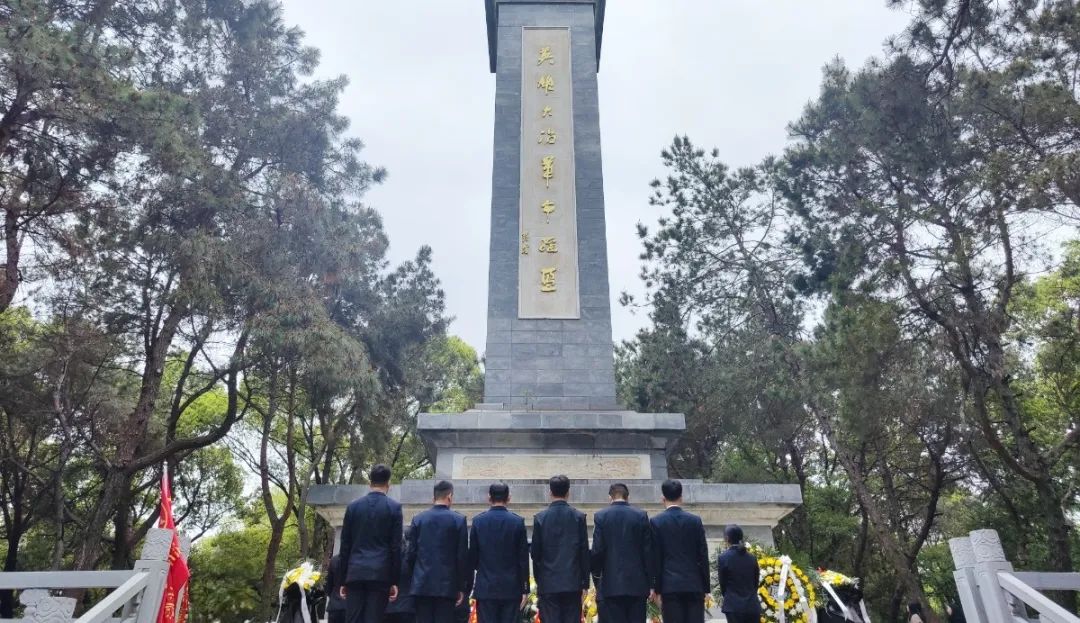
x: 549, y: 343
x: 550, y: 385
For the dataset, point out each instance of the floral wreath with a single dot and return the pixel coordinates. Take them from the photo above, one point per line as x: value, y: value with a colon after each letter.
x: 786, y: 593
x: 836, y: 580
x: 305, y: 577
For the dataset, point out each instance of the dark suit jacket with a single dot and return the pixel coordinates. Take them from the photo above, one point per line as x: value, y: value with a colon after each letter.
x: 438, y: 553
x: 334, y: 602
x: 682, y: 555
x: 560, y: 549
x: 371, y: 540
x: 499, y: 554
x: 622, y: 551
x: 737, y: 571
x: 404, y: 604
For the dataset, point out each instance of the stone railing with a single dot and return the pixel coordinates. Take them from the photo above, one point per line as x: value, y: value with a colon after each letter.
x: 992, y: 592
x: 135, y: 596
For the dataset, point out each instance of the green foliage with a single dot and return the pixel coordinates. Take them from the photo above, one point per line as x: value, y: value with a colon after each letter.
x: 863, y: 313
x: 227, y: 568
x: 215, y: 299
x: 462, y: 382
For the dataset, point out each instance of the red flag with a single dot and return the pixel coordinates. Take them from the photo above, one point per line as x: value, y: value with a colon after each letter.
x: 177, y: 579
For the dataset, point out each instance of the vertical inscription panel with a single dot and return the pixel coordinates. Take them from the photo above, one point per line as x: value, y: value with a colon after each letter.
x: 547, y: 245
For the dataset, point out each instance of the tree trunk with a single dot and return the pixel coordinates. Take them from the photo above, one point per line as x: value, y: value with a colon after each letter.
x: 9, y: 278
x: 891, y: 548
x: 302, y: 526
x: 1035, y: 467
x: 11, y: 562
x: 269, y: 577
x: 121, y: 554
x: 896, y: 613
x: 59, y: 505
x: 117, y: 481
x: 112, y: 491
x: 1057, y: 528
x: 860, y: 549
x: 277, y: 522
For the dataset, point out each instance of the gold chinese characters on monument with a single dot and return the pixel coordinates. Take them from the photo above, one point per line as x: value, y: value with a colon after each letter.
x: 547, y: 258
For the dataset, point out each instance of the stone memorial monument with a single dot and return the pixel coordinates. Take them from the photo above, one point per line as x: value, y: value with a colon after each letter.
x: 549, y: 401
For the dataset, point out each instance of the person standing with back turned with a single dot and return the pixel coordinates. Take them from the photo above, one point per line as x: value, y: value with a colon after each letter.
x: 737, y: 571
x: 622, y: 555
x: 682, y: 557
x: 335, y: 603
x: 437, y: 557
x: 370, y: 558
x: 560, y: 554
x: 499, y: 554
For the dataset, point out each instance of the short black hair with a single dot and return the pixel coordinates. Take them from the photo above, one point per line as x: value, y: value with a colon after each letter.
x: 672, y: 490
x: 379, y: 475
x: 559, y: 486
x: 443, y: 489
x: 733, y: 534
x: 499, y: 492
x: 619, y: 490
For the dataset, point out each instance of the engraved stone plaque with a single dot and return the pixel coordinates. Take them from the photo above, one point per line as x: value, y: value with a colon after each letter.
x: 548, y: 244
x: 543, y: 466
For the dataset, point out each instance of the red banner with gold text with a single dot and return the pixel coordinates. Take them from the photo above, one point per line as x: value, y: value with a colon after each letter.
x: 176, y: 589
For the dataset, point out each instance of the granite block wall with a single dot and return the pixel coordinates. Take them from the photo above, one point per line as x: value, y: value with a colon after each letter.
x: 548, y: 364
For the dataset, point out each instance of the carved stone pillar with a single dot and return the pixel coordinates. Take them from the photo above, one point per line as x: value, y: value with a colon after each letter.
x: 154, y: 561
x: 964, y: 561
x: 998, y: 607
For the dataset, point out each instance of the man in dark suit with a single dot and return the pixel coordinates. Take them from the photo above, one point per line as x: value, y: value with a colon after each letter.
x: 682, y: 559
x: 737, y: 573
x: 437, y: 557
x: 560, y: 554
x: 601, y: 613
x: 402, y: 609
x: 370, y: 555
x: 622, y: 555
x: 499, y: 554
x: 335, y: 603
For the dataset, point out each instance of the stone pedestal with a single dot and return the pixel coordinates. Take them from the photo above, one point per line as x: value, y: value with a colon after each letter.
x: 595, y: 449
x: 529, y: 445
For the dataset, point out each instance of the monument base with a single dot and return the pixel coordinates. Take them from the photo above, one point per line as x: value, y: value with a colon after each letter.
x: 594, y: 448
x: 757, y: 508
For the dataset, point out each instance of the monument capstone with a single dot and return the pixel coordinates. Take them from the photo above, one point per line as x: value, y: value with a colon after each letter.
x: 549, y: 397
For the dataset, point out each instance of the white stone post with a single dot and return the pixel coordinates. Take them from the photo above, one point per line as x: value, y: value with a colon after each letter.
x: 154, y: 561
x: 989, y: 561
x: 964, y: 575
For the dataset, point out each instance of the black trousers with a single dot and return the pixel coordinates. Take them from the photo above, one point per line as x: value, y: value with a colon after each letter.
x: 742, y: 617
x: 336, y: 616
x: 562, y: 608
x: 623, y: 609
x: 683, y: 607
x: 498, y: 611
x: 398, y: 617
x: 434, y: 609
x: 365, y: 602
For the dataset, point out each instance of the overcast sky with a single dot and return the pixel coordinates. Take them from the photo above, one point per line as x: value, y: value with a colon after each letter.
x: 729, y: 73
